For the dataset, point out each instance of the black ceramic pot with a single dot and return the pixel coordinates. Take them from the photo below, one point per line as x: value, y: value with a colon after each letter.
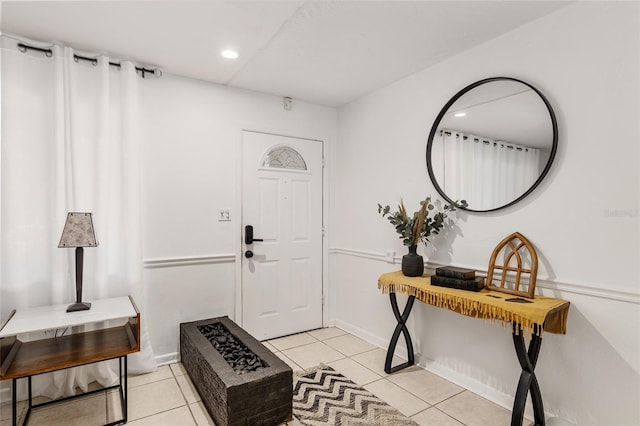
x: 412, y: 263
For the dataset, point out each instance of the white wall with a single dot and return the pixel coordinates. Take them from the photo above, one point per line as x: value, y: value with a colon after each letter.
x: 192, y: 134
x: 583, y: 219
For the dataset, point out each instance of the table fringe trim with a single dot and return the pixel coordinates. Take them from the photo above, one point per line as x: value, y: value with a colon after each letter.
x: 471, y: 308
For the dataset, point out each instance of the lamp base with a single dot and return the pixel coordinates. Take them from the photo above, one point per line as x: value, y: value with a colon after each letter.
x: 85, y: 306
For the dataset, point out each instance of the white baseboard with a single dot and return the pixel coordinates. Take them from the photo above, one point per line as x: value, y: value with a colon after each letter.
x: 382, y: 343
x: 487, y: 392
x: 170, y: 358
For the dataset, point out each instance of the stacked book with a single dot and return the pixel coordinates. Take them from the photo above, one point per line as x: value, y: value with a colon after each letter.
x: 460, y: 278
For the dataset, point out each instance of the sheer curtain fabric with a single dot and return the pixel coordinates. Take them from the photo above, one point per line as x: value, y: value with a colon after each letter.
x: 485, y: 172
x: 69, y: 143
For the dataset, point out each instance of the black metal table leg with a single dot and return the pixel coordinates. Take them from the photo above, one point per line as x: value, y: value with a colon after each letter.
x: 528, y: 382
x: 400, y: 327
x: 14, y: 397
x: 122, y: 391
x: 126, y: 393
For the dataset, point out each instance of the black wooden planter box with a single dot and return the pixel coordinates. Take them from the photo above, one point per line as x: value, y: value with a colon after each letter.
x: 262, y: 397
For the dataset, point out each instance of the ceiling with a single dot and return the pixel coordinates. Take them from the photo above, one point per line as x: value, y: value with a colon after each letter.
x: 319, y: 51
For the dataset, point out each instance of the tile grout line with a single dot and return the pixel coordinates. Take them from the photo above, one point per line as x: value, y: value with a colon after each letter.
x: 449, y: 397
x: 189, y: 405
x: 446, y: 399
x: 347, y: 355
x: 386, y: 375
x: 297, y: 346
x: 444, y: 413
x: 449, y: 415
x: 193, y: 416
x: 430, y: 405
x: 407, y: 391
x: 420, y: 398
x: 280, y: 352
x: 156, y: 413
x: 184, y: 397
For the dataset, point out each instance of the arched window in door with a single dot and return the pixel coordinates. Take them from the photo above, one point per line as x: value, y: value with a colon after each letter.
x: 283, y: 157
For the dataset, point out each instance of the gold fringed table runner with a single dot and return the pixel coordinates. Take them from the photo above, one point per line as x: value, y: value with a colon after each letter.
x: 545, y: 312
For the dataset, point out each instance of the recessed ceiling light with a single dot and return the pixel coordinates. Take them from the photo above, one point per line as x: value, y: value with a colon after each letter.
x: 460, y: 114
x: 229, y: 54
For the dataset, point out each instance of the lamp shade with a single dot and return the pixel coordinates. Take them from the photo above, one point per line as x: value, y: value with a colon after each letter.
x: 78, y: 231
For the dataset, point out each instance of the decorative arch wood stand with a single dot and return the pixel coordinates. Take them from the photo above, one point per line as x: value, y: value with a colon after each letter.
x: 518, y: 249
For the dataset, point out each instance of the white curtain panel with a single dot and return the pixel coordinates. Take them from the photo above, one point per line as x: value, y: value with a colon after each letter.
x: 484, y: 172
x: 70, y: 143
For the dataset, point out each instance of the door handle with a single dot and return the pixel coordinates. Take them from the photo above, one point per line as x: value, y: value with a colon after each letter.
x: 248, y: 235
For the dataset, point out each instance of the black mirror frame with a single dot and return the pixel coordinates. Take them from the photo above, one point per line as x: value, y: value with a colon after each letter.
x: 444, y: 110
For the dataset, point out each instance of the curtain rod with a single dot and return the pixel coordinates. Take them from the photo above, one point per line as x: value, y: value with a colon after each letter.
x: 486, y: 142
x: 23, y: 48
x: 94, y: 61
x: 465, y: 137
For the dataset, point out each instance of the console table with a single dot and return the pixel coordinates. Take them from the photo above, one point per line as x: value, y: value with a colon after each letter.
x: 109, y: 330
x: 527, y: 316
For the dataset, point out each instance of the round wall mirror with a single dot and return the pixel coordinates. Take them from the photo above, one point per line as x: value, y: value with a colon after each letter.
x: 492, y: 144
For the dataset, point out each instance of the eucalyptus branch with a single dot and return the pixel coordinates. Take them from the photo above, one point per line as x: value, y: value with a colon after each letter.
x: 420, y: 226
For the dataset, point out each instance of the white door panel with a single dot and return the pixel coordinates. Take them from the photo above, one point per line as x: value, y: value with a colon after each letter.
x: 282, y: 200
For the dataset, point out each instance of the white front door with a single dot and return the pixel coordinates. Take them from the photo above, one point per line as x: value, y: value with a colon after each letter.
x: 282, y: 201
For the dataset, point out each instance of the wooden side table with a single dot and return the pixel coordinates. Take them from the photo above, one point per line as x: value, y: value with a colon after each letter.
x: 109, y: 330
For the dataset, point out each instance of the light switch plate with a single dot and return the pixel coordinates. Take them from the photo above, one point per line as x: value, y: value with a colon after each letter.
x: 224, y: 215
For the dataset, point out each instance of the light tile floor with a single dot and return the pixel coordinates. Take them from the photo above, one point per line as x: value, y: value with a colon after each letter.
x: 167, y: 396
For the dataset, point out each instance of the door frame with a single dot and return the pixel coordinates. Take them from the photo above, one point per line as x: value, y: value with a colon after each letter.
x: 238, y: 245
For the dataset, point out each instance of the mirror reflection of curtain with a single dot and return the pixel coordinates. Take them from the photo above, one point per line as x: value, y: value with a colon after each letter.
x: 485, y: 172
x: 69, y: 143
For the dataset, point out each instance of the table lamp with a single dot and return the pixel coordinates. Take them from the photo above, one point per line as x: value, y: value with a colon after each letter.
x: 78, y: 232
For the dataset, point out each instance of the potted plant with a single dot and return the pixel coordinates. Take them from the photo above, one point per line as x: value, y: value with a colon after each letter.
x: 417, y: 228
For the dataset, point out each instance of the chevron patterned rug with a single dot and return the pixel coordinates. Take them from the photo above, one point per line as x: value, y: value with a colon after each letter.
x: 325, y: 397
